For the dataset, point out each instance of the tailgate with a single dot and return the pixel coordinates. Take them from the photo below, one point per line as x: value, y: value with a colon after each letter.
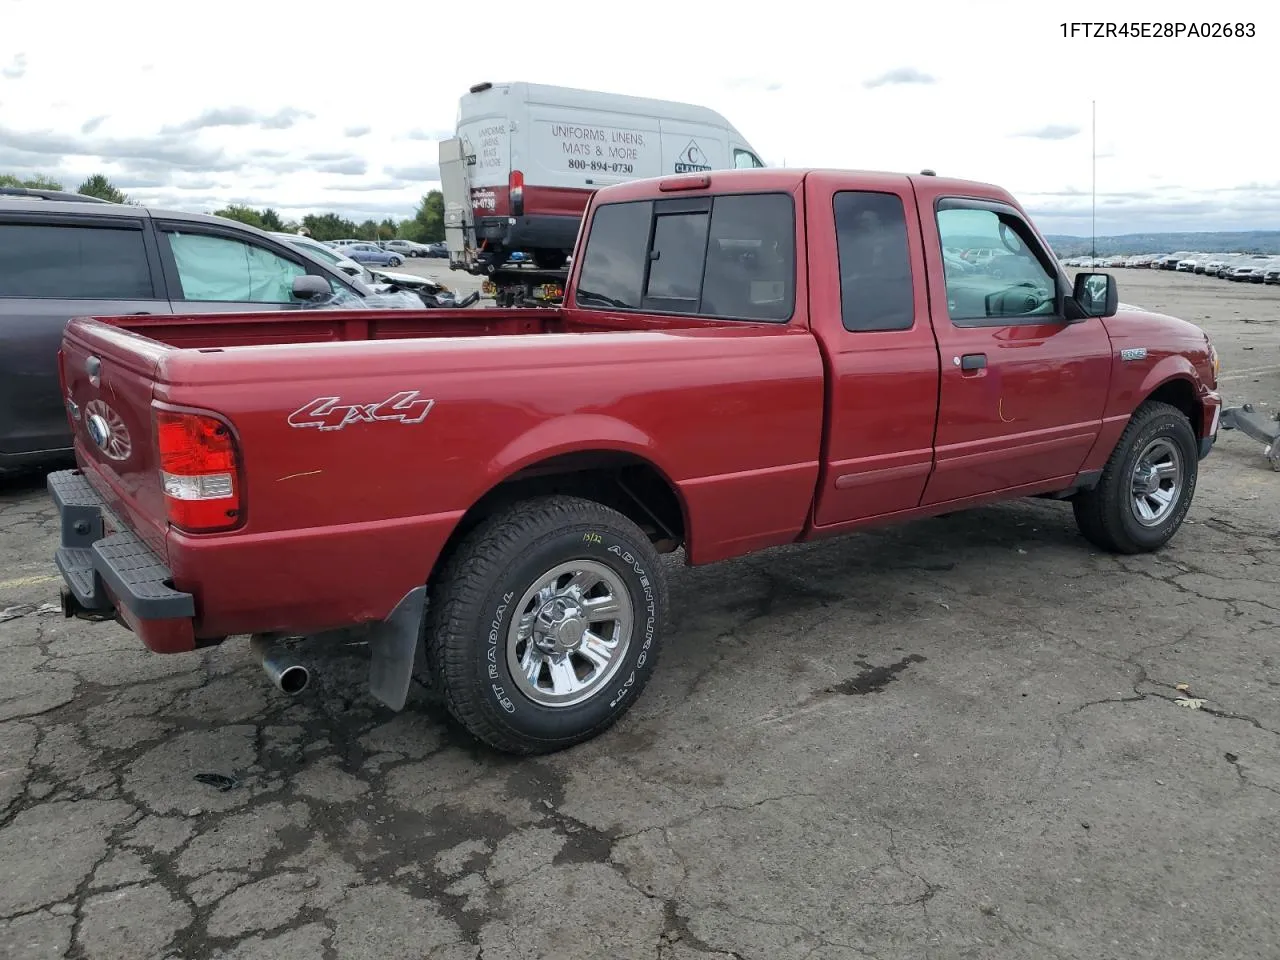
x: 107, y: 376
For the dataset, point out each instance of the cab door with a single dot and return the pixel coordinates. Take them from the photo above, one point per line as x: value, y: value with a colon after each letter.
x: 870, y: 309
x: 1023, y: 389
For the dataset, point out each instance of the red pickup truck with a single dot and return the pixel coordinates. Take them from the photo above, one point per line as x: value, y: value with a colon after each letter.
x: 743, y: 359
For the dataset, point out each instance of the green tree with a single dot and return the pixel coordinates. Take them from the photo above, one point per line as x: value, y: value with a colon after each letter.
x: 387, y: 229
x: 102, y: 188
x: 367, y: 230
x: 430, y: 214
x: 241, y: 214
x: 328, y: 226
x: 411, y: 230
x: 271, y: 221
x: 38, y: 182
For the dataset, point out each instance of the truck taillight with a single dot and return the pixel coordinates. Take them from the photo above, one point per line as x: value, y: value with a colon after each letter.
x: 199, y: 471
x: 515, y: 192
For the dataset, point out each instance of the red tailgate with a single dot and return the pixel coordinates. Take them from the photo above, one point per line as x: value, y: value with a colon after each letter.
x: 107, y: 377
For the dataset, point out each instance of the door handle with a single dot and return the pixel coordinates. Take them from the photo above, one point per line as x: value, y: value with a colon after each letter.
x: 973, y: 361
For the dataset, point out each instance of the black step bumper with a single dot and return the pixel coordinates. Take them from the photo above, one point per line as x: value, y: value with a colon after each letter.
x: 102, y: 570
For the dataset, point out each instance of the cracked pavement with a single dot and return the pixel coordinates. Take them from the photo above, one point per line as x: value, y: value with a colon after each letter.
x: 963, y: 738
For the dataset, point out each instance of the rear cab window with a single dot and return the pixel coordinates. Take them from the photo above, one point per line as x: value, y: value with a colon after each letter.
x: 728, y: 257
x: 68, y: 261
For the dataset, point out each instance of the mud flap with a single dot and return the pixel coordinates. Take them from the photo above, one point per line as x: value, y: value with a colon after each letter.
x: 395, y: 646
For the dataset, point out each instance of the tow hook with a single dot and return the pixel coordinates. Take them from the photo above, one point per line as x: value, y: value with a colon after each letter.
x: 284, y: 669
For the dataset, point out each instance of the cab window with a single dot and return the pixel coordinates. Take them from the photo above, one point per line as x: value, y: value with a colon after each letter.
x: 876, y: 289
x: 729, y: 257
x: 746, y: 160
x: 998, y: 276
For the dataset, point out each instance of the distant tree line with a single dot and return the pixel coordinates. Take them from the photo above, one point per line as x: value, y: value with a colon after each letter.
x: 425, y: 226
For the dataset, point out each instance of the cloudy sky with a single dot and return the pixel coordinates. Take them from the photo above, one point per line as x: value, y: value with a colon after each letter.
x: 309, y: 107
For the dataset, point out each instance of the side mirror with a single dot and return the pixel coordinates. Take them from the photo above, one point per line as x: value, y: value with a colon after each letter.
x: 1096, y: 294
x: 308, y: 287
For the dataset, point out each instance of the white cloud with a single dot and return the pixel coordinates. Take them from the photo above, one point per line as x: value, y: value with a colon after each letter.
x: 1182, y: 124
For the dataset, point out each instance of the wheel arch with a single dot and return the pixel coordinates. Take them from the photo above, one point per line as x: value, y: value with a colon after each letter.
x: 1179, y: 391
x: 611, y: 474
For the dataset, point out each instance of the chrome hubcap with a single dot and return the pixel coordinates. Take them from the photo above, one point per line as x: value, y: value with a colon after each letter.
x: 1156, y: 482
x: 570, y: 633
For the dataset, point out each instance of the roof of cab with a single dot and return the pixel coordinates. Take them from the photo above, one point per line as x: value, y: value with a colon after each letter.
x: 780, y: 178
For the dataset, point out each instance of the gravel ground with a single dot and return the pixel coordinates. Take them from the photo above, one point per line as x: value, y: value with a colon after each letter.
x: 956, y: 739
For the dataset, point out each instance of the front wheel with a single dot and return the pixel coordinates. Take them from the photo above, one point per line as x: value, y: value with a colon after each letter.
x: 546, y: 624
x: 1146, y: 487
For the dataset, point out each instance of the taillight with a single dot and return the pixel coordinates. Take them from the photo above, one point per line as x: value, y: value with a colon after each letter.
x: 515, y: 192
x: 198, y: 470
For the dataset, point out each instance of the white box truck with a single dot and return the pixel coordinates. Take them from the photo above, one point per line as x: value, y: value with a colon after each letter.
x: 526, y: 158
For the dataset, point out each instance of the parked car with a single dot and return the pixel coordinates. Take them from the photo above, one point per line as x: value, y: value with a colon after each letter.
x: 281, y: 490
x: 1242, y: 273
x: 408, y: 248
x: 327, y: 254
x: 438, y: 249
x: 369, y: 253
x: 63, y: 255
x: 1272, y: 275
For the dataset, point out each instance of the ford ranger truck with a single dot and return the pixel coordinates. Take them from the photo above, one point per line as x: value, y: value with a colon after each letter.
x: 743, y: 359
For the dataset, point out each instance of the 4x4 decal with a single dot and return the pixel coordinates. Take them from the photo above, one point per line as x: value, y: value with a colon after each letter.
x: 326, y: 413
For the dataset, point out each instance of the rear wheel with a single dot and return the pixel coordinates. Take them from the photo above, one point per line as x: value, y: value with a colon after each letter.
x: 546, y: 624
x: 1146, y: 487
x: 395, y: 261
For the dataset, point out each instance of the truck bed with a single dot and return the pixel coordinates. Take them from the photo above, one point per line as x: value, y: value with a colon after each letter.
x: 328, y: 488
x: 214, y: 331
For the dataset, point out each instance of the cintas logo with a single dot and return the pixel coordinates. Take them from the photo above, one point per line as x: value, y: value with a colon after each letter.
x: 326, y: 413
x: 692, y: 159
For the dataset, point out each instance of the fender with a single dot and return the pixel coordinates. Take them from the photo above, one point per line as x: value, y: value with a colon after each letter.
x: 1171, y: 367
x: 573, y: 433
x: 1168, y: 369
x: 578, y: 433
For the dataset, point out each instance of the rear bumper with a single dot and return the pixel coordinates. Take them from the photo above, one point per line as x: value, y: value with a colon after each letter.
x: 116, y: 575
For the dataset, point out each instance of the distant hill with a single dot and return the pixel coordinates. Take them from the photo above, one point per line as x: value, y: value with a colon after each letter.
x: 1245, y: 241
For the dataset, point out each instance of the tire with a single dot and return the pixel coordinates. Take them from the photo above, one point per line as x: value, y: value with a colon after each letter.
x: 395, y: 262
x: 475, y: 652
x: 1107, y: 515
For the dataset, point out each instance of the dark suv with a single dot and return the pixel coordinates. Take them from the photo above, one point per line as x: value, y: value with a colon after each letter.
x: 64, y: 255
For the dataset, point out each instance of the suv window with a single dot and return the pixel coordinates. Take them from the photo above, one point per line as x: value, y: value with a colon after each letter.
x: 876, y: 289
x: 729, y: 257
x: 1015, y: 285
x: 66, y: 262
x: 213, y: 268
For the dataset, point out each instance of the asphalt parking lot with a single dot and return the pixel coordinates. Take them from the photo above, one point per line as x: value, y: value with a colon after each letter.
x: 956, y: 739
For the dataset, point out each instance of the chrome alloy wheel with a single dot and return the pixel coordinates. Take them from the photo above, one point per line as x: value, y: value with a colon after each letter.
x: 1157, y: 482
x: 570, y: 633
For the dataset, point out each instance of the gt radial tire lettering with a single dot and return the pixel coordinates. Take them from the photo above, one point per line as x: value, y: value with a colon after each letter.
x: 495, y: 629
x: 650, y: 609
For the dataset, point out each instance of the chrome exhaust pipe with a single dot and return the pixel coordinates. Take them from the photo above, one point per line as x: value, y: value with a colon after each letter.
x: 285, y: 670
